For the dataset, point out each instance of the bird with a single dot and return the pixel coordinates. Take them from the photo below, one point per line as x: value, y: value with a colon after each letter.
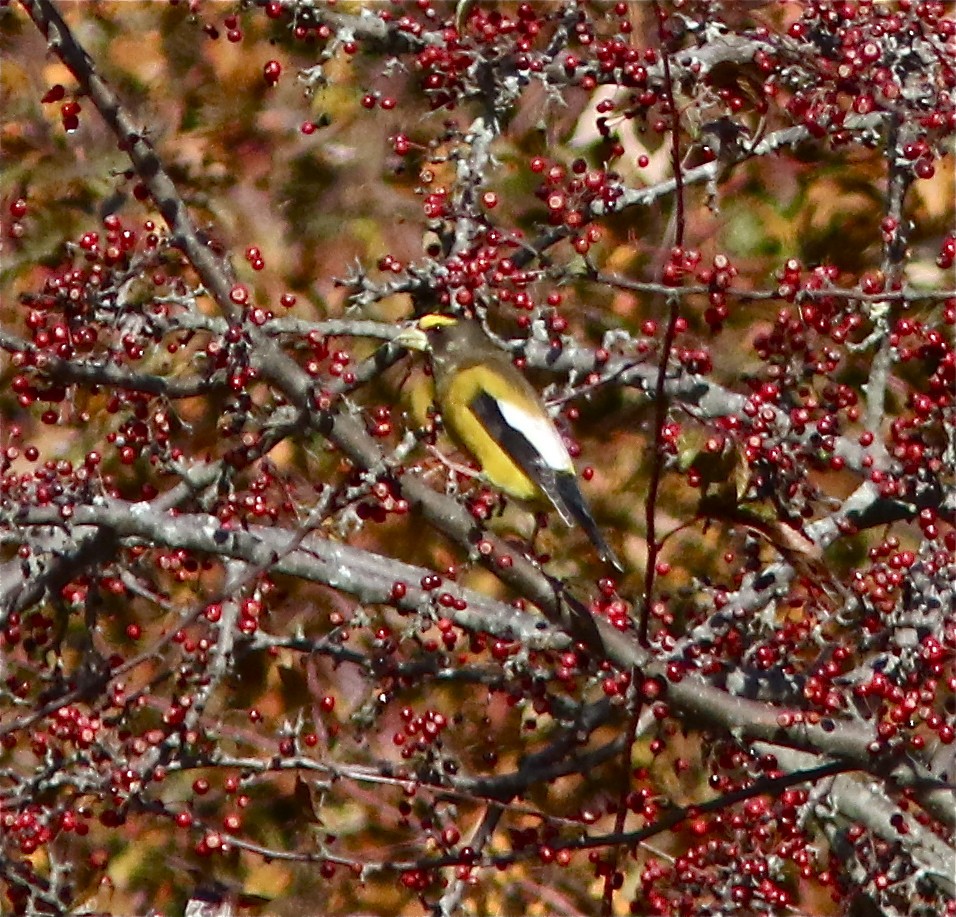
x: 491, y: 410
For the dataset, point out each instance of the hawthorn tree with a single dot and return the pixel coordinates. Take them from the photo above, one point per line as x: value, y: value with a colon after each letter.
x: 266, y: 644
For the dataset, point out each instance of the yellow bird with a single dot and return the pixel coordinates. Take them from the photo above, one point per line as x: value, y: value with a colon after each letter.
x: 492, y: 411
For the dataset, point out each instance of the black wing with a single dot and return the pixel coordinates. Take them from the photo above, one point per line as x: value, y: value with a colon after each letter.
x: 524, y: 453
x: 561, y: 487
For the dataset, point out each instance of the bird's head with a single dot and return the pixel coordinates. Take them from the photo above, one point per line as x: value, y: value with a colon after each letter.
x: 429, y: 332
x: 449, y: 341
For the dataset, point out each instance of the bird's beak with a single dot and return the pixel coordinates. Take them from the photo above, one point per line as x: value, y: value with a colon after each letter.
x: 411, y: 337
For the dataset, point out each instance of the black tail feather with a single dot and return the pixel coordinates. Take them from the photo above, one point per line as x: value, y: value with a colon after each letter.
x: 569, y: 494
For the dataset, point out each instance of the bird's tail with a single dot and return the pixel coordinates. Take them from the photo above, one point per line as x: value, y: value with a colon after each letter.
x: 576, y: 507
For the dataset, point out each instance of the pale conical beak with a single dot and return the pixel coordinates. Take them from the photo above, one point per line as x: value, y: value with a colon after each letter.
x: 412, y: 338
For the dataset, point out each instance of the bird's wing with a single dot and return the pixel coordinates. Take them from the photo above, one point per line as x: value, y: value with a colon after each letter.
x: 535, y: 445
x: 531, y: 441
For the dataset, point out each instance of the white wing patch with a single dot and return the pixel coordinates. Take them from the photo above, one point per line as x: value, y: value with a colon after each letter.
x: 540, y: 432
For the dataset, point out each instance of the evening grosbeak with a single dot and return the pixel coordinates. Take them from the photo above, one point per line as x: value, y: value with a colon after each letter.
x: 492, y: 411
